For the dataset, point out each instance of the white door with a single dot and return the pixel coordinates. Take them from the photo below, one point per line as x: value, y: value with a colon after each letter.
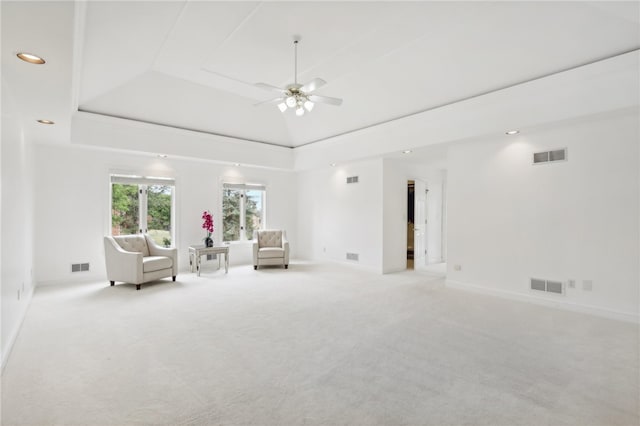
x: 420, y: 225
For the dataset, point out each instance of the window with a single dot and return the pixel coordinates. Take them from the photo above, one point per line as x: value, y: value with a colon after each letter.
x: 242, y: 211
x: 140, y: 204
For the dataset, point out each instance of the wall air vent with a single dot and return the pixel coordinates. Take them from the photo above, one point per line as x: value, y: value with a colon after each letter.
x: 550, y: 156
x: 537, y: 284
x: 558, y: 155
x: 352, y: 256
x: 79, y: 267
x: 352, y: 179
x: 554, y: 287
x: 549, y: 286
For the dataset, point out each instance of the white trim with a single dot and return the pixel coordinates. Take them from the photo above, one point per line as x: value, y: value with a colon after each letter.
x: 558, y: 304
x: 76, y: 278
x: 244, y: 186
x: 142, y: 180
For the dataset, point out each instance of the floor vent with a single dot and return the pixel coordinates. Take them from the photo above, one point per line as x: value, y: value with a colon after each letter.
x: 550, y: 156
x: 548, y: 286
x: 352, y: 179
x: 79, y: 267
x: 352, y: 256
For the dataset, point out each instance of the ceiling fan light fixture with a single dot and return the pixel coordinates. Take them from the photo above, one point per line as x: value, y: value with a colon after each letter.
x: 299, y: 97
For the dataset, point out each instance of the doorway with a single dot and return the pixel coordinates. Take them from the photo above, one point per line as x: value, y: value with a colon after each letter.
x: 416, y: 224
x: 411, y: 199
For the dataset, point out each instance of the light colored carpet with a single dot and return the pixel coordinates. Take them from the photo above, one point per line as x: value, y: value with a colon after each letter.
x: 313, y: 345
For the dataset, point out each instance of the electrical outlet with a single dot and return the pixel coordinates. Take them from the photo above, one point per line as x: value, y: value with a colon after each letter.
x: 572, y: 284
x: 587, y: 285
x: 457, y: 267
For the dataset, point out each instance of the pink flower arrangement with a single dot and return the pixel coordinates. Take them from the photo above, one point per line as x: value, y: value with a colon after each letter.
x: 207, y: 223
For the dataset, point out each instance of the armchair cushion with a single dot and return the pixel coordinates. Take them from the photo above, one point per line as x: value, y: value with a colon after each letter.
x: 271, y: 252
x: 155, y: 263
x: 134, y: 243
x: 269, y: 239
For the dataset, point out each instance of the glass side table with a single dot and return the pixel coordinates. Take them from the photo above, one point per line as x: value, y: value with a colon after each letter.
x: 196, y: 252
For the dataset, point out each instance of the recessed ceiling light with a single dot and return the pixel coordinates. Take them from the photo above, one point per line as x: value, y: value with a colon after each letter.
x: 162, y: 155
x: 406, y: 151
x: 512, y: 132
x: 332, y: 164
x: 46, y: 122
x: 236, y: 164
x: 31, y: 58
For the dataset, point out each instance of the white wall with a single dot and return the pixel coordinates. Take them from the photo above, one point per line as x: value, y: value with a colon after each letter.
x: 335, y: 217
x: 394, y: 192
x: 509, y: 220
x: 72, y: 202
x: 16, y: 250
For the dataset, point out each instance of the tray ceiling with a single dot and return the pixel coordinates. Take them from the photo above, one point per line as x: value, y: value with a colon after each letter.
x: 193, y: 64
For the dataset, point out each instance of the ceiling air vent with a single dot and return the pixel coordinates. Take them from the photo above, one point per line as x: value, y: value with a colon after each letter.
x: 550, y: 156
x: 352, y: 179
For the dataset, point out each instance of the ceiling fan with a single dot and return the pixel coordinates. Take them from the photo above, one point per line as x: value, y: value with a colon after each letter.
x: 296, y: 96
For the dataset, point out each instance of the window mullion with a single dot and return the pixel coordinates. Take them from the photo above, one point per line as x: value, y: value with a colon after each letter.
x: 243, y: 228
x: 142, y: 220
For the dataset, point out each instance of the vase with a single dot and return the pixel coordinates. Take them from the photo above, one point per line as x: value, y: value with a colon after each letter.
x: 208, y: 242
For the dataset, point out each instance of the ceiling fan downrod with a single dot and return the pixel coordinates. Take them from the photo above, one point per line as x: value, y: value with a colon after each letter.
x: 295, y: 62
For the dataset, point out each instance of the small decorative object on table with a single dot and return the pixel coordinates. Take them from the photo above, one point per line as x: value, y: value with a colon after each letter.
x: 207, y: 224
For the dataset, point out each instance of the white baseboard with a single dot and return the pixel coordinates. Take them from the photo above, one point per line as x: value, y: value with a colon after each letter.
x: 13, y: 334
x: 394, y: 270
x: 566, y: 305
x: 79, y: 277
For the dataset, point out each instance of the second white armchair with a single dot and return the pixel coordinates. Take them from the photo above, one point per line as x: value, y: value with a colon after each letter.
x: 270, y: 247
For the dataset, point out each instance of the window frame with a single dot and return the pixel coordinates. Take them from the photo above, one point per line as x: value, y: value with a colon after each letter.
x: 243, y: 188
x: 143, y: 183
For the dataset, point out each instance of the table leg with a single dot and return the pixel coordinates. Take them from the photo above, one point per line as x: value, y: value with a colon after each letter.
x: 226, y: 262
x: 198, y: 264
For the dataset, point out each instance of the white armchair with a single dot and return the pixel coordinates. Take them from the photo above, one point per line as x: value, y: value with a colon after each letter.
x: 270, y: 247
x: 136, y: 259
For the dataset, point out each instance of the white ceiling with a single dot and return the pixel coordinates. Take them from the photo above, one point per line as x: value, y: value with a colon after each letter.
x: 193, y: 64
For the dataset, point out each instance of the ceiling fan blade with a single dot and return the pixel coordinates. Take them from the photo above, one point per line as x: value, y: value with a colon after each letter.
x: 266, y: 86
x: 325, y: 100
x: 313, y: 85
x: 270, y: 101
